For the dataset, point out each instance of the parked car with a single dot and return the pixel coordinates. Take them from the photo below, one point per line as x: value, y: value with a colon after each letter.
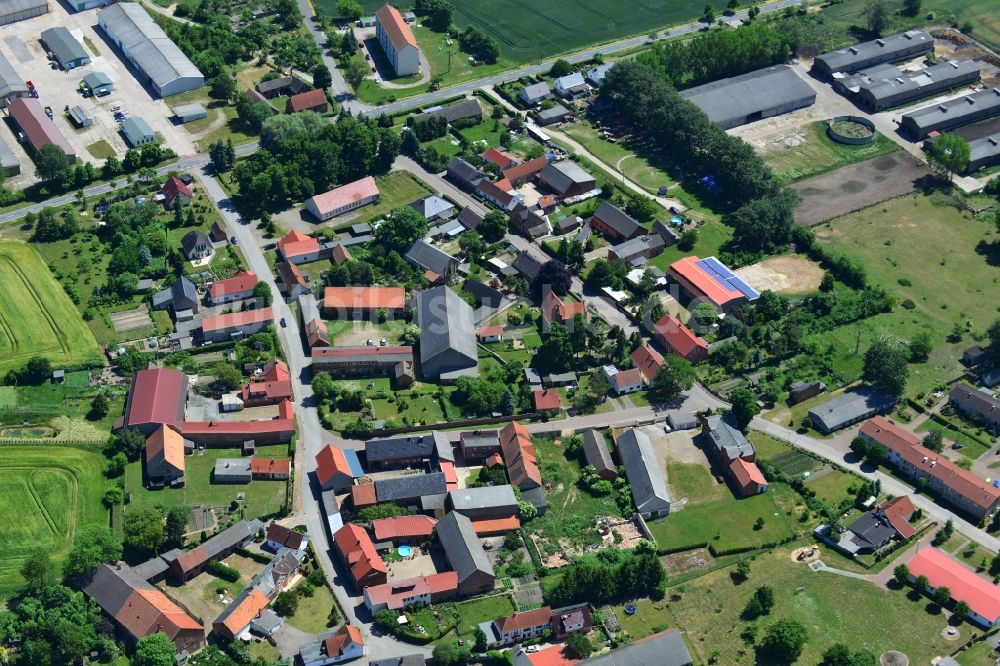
x: 284, y: 324
x: 234, y: 240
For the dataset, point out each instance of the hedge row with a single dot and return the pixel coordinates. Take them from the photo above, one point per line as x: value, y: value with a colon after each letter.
x: 223, y: 571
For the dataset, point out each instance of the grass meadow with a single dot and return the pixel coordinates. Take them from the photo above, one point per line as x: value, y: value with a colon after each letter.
x: 36, y: 315
x: 46, y: 494
x: 942, y: 264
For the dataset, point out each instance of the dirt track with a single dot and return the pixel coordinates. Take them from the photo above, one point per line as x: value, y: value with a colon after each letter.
x: 857, y: 186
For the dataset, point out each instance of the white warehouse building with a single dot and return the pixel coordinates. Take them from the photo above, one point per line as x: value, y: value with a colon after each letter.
x: 160, y: 63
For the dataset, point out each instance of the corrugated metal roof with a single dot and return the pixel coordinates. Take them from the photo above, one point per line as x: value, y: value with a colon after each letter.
x: 64, y: 45
x: 16, y: 6
x: 731, y: 100
x: 10, y: 82
x: 153, y: 52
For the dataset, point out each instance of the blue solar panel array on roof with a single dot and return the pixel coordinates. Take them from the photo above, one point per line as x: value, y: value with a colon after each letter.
x: 727, y: 278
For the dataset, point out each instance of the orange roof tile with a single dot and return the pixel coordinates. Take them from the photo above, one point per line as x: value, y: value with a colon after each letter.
x: 524, y: 620
x: 403, y: 527
x: 898, y: 512
x: 677, y: 337
x: 494, y: 525
x: 525, y: 169
x: 242, y: 615
x: 307, y: 100
x: 693, y: 275
x: 362, y: 495
x: 747, y: 472
x: 170, y: 443
x: 358, y: 551
x: 297, y: 243
x: 344, y: 195
x: 331, y: 461
x: 546, y: 400
x: 346, y: 635
x: 234, y: 319
x: 396, y: 29
x: 276, y: 371
x: 241, y: 282
x: 519, y: 456
x: 491, y: 331
x: 348, y: 299
x: 982, y: 596
x: 270, y: 466
x: 647, y: 360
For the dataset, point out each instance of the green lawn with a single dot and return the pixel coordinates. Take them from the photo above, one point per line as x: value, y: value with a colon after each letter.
x: 312, y: 612
x: 972, y: 446
x: 724, y: 522
x: 933, y: 257
x: 572, y: 510
x: 46, y: 493
x: 101, y: 150
x: 620, y: 158
x: 489, y: 132
x: 471, y: 613
x: 832, y: 608
x: 816, y: 153
x: 262, y: 497
x: 694, y: 482
x: 37, y: 317
x: 711, y: 237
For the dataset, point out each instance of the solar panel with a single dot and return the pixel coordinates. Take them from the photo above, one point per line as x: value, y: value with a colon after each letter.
x: 747, y: 290
x: 718, y: 272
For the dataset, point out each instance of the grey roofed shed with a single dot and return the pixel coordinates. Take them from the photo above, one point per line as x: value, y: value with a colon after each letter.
x: 487, y: 497
x: 644, y: 472
x: 186, y: 113
x: 64, y: 46
x: 469, y: 108
x: 765, y: 93
x: 887, y: 49
x: 137, y: 132
x: 80, y: 117
x: 595, y: 452
x: 410, y: 486
x: 888, y: 88
x: 963, y: 110
x: 431, y: 258
x: 554, y: 114
x: 400, y: 447
x: 850, y: 408
x: 561, y: 176
x: 666, y: 649
x: 149, y: 49
x: 98, y: 82
x: 620, y: 221
x: 447, y: 334
x: 679, y: 420
x: 461, y: 545
x: 12, y: 11
x: 984, y: 152
x: 727, y: 440
x: 11, y: 84
x: 8, y: 160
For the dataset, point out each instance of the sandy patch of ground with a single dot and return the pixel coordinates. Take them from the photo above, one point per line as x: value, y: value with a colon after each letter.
x: 130, y: 320
x: 783, y: 275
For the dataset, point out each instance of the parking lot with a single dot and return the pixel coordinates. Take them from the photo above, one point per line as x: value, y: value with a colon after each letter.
x: 59, y: 89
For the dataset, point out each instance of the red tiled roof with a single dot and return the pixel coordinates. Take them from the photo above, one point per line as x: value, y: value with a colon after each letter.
x: 148, y: 611
x: 519, y: 455
x: 498, y: 157
x: 526, y: 620
x: 898, y: 512
x: 394, y: 594
x: 546, y: 400
x: 286, y: 411
x: 345, y: 636
x: 362, y: 495
x: 235, y: 319
x: 490, y: 332
x: 173, y: 187
x: 276, y: 370
x: 554, y: 309
x: 647, y: 360
x: 626, y: 378
x: 526, y: 169
x: 694, y: 275
x: 192, y: 559
x: 270, y: 466
x: 307, y: 100
x: 328, y: 352
x: 329, y: 462
x: 270, y: 390
x: 747, y: 472
x: 284, y: 536
x: 403, y: 527
x: 340, y: 254
x: 982, y: 596
x: 495, y: 191
x: 552, y: 656
x: 358, y: 551
x: 297, y: 243
x: 345, y: 195
x: 241, y: 282
x: 267, y: 426
x: 396, y: 29
x: 168, y: 442
x: 291, y: 275
x: 316, y: 333
x: 349, y: 299
x: 494, y: 525
x: 677, y: 337
x: 241, y: 616
x: 156, y: 397
x: 450, y: 475
x: 908, y: 447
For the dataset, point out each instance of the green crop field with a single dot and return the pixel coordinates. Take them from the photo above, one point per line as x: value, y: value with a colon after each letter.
x: 36, y: 315
x: 46, y: 493
x: 534, y: 31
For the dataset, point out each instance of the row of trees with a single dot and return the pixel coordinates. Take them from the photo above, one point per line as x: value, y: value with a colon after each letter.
x: 302, y: 154
x: 610, y: 575
x: 718, y: 54
x: 760, y: 207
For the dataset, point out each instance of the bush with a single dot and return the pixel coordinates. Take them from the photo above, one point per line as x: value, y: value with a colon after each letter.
x: 223, y: 571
